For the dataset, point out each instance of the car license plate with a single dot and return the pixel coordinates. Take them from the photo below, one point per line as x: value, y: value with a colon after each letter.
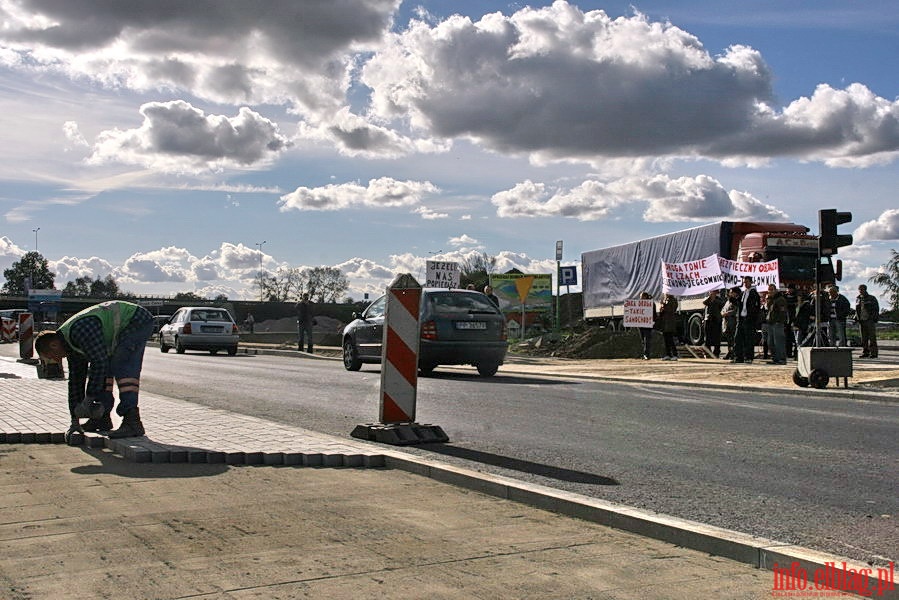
x: 211, y: 329
x: 471, y: 325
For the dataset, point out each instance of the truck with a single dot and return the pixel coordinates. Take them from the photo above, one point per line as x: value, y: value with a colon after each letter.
x: 618, y: 273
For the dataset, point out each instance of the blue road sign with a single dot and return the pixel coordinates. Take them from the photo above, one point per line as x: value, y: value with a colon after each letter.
x: 568, y: 275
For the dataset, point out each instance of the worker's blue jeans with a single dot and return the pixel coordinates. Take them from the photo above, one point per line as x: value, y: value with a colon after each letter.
x: 777, y: 342
x: 125, y: 366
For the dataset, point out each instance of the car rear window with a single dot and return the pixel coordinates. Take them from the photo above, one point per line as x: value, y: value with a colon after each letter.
x: 209, y: 315
x: 448, y: 303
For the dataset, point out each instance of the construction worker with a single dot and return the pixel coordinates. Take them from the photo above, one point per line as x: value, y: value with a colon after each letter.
x: 102, y: 343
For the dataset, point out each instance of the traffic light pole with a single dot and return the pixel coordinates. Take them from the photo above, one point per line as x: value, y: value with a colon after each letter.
x: 818, y: 300
x: 829, y: 243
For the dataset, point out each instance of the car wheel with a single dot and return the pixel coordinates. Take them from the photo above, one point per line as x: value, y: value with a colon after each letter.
x: 178, y: 347
x: 232, y: 350
x: 163, y: 347
x: 426, y: 370
x: 351, y: 360
x: 488, y: 369
x: 213, y: 351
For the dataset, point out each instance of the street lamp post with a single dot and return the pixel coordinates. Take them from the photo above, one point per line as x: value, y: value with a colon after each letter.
x: 35, y: 237
x: 259, y: 246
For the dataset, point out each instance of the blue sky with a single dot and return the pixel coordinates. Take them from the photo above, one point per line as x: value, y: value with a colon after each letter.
x: 183, y: 149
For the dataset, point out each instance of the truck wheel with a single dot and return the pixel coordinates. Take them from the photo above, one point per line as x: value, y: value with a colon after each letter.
x: 695, y: 331
x: 818, y: 378
x: 799, y: 380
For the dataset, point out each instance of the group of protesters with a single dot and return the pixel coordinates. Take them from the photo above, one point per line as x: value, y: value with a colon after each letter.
x: 787, y: 318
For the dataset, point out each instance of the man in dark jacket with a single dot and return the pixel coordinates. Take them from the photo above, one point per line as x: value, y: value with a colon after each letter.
x: 712, y: 322
x: 802, y: 321
x: 305, y: 321
x: 777, y: 316
x: 747, y: 323
x: 839, y: 310
x: 867, y: 313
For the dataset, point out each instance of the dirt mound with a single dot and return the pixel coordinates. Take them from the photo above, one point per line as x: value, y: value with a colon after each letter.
x: 592, y: 342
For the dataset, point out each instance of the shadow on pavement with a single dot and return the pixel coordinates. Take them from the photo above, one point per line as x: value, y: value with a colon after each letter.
x: 525, y: 466
x: 114, y: 464
x: 500, y: 378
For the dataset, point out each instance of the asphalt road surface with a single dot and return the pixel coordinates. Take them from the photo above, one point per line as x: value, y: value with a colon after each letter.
x: 822, y: 473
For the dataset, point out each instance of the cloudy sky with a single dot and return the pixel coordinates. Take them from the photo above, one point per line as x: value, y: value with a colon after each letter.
x: 182, y: 146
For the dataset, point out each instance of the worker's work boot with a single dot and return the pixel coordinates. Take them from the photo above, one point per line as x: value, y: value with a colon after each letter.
x: 130, y: 427
x: 102, y: 424
x: 89, y: 409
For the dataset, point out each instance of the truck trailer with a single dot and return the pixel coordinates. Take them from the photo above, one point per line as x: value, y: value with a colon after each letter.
x: 618, y: 273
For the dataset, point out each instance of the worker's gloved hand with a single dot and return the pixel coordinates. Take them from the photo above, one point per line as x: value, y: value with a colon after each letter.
x: 74, y: 434
x: 89, y: 409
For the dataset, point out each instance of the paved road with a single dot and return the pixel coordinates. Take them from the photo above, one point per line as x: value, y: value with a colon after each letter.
x: 817, y: 472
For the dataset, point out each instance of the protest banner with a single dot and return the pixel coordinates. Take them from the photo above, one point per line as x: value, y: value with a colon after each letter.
x: 442, y: 274
x: 693, y: 277
x: 638, y: 313
x: 762, y: 273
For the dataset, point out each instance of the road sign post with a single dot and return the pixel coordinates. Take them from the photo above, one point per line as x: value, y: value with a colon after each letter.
x: 568, y: 277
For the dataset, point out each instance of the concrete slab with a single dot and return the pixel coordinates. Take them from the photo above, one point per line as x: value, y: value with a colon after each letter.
x: 83, y: 522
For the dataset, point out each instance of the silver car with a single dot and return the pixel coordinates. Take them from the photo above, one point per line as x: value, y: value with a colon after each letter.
x: 200, y: 328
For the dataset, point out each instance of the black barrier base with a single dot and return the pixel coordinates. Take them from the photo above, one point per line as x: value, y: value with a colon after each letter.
x: 400, y: 434
x: 50, y: 370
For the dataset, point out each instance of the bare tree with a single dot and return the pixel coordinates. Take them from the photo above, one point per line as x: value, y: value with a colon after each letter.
x: 275, y: 287
x: 323, y: 284
x: 326, y: 284
x: 476, y: 269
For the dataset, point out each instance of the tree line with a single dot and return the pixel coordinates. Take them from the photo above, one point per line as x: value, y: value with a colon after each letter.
x: 323, y: 284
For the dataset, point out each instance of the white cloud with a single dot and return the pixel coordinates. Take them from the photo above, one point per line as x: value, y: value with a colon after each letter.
x: 463, y: 240
x: 559, y: 83
x: 885, y: 227
x: 177, y: 137
x: 430, y: 214
x: 382, y: 192
x: 230, y: 52
x: 70, y: 268
x: 169, y: 264
x: 700, y: 198
x: 9, y: 253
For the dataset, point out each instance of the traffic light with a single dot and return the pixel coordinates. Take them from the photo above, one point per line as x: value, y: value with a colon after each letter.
x: 829, y: 241
x: 828, y: 271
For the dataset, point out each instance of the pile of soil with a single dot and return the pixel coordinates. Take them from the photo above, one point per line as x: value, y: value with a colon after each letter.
x: 591, y: 342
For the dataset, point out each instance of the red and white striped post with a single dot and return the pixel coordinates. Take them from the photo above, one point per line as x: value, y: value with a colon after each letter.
x: 26, y: 335
x: 399, y: 354
x: 399, y: 371
x: 8, y: 333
